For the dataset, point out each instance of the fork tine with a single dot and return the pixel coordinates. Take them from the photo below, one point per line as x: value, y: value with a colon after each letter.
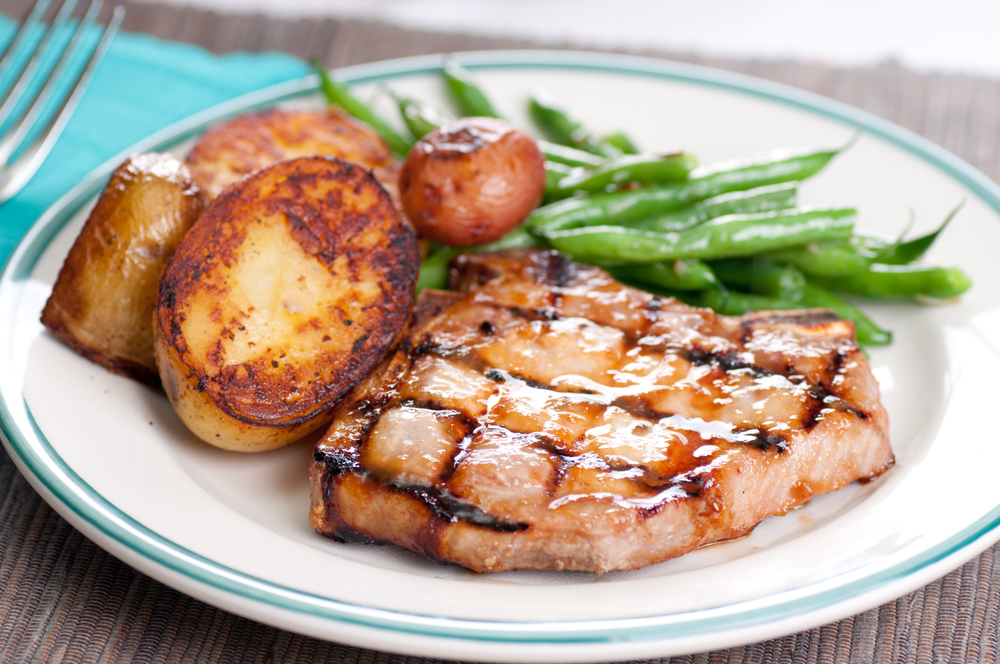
x: 17, y: 93
x: 24, y: 31
x: 27, y: 164
x: 16, y: 135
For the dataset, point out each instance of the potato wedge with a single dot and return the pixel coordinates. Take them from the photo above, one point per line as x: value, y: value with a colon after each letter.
x: 102, y: 301
x: 287, y: 291
x: 232, y: 149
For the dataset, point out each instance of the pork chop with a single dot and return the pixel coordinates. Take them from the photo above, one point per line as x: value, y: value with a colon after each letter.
x: 545, y: 416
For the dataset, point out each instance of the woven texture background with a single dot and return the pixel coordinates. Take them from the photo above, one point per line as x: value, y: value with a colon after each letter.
x: 62, y: 599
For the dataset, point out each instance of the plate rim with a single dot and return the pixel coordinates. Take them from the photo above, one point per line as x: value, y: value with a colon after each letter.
x: 35, y: 455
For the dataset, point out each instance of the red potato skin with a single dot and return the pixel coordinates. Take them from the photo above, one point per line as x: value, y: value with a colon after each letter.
x: 472, y: 181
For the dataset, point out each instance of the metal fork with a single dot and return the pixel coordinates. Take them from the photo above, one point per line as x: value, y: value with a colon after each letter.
x: 30, y: 86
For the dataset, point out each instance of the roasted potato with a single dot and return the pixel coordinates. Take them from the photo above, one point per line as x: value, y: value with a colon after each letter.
x: 472, y: 181
x: 232, y: 149
x: 102, y: 301
x: 287, y: 291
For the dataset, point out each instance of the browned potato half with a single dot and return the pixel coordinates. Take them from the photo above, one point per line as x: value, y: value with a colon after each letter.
x: 231, y: 149
x: 286, y: 292
x: 472, y: 181
x: 102, y: 301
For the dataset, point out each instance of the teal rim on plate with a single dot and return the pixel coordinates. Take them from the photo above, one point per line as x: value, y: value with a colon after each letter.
x: 28, y: 444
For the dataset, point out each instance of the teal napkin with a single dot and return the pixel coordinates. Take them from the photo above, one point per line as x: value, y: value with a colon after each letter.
x: 143, y: 85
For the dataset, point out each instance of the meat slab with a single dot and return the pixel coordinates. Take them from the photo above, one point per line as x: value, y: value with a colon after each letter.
x: 545, y: 416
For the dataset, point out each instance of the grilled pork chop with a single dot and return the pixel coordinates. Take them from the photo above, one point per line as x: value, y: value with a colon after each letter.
x: 546, y: 416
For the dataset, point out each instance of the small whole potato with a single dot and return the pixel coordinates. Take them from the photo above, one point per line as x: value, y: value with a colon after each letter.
x: 472, y: 181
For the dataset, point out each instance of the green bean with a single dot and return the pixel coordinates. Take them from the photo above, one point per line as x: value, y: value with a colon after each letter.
x: 904, y: 253
x: 761, y: 199
x: 761, y: 275
x: 902, y: 281
x: 723, y: 237
x: 829, y: 259
x: 772, y: 168
x: 555, y: 122
x: 624, y: 206
x: 642, y: 169
x: 622, y: 142
x: 338, y: 93
x: 688, y: 274
x: 856, y: 255
x: 420, y: 118
x: 434, y: 269
x: 554, y: 174
x: 563, y: 154
x: 518, y: 238
x: 468, y: 96
x: 862, y: 250
x: 737, y: 303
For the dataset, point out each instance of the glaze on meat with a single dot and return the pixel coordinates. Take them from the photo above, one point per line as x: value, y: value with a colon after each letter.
x: 545, y: 416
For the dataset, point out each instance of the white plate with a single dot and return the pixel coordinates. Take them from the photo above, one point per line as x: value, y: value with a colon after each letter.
x: 231, y: 529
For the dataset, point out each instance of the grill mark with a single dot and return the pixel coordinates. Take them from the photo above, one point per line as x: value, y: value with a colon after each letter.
x: 447, y: 508
x: 563, y: 463
x: 728, y: 360
x: 836, y: 368
x: 463, y: 420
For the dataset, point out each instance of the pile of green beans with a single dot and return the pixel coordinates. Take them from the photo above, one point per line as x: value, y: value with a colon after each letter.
x: 729, y: 236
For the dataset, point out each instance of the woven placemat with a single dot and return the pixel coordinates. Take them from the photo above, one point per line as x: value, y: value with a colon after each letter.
x: 63, y: 599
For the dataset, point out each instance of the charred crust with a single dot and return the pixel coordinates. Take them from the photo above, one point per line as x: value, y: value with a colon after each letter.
x: 536, y: 313
x: 495, y: 375
x: 348, y: 535
x: 765, y: 441
x: 692, y: 486
x: 426, y: 347
x: 559, y: 269
x: 336, y: 461
x: 360, y: 342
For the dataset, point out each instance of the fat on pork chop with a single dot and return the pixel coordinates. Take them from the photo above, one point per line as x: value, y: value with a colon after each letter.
x: 545, y: 416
